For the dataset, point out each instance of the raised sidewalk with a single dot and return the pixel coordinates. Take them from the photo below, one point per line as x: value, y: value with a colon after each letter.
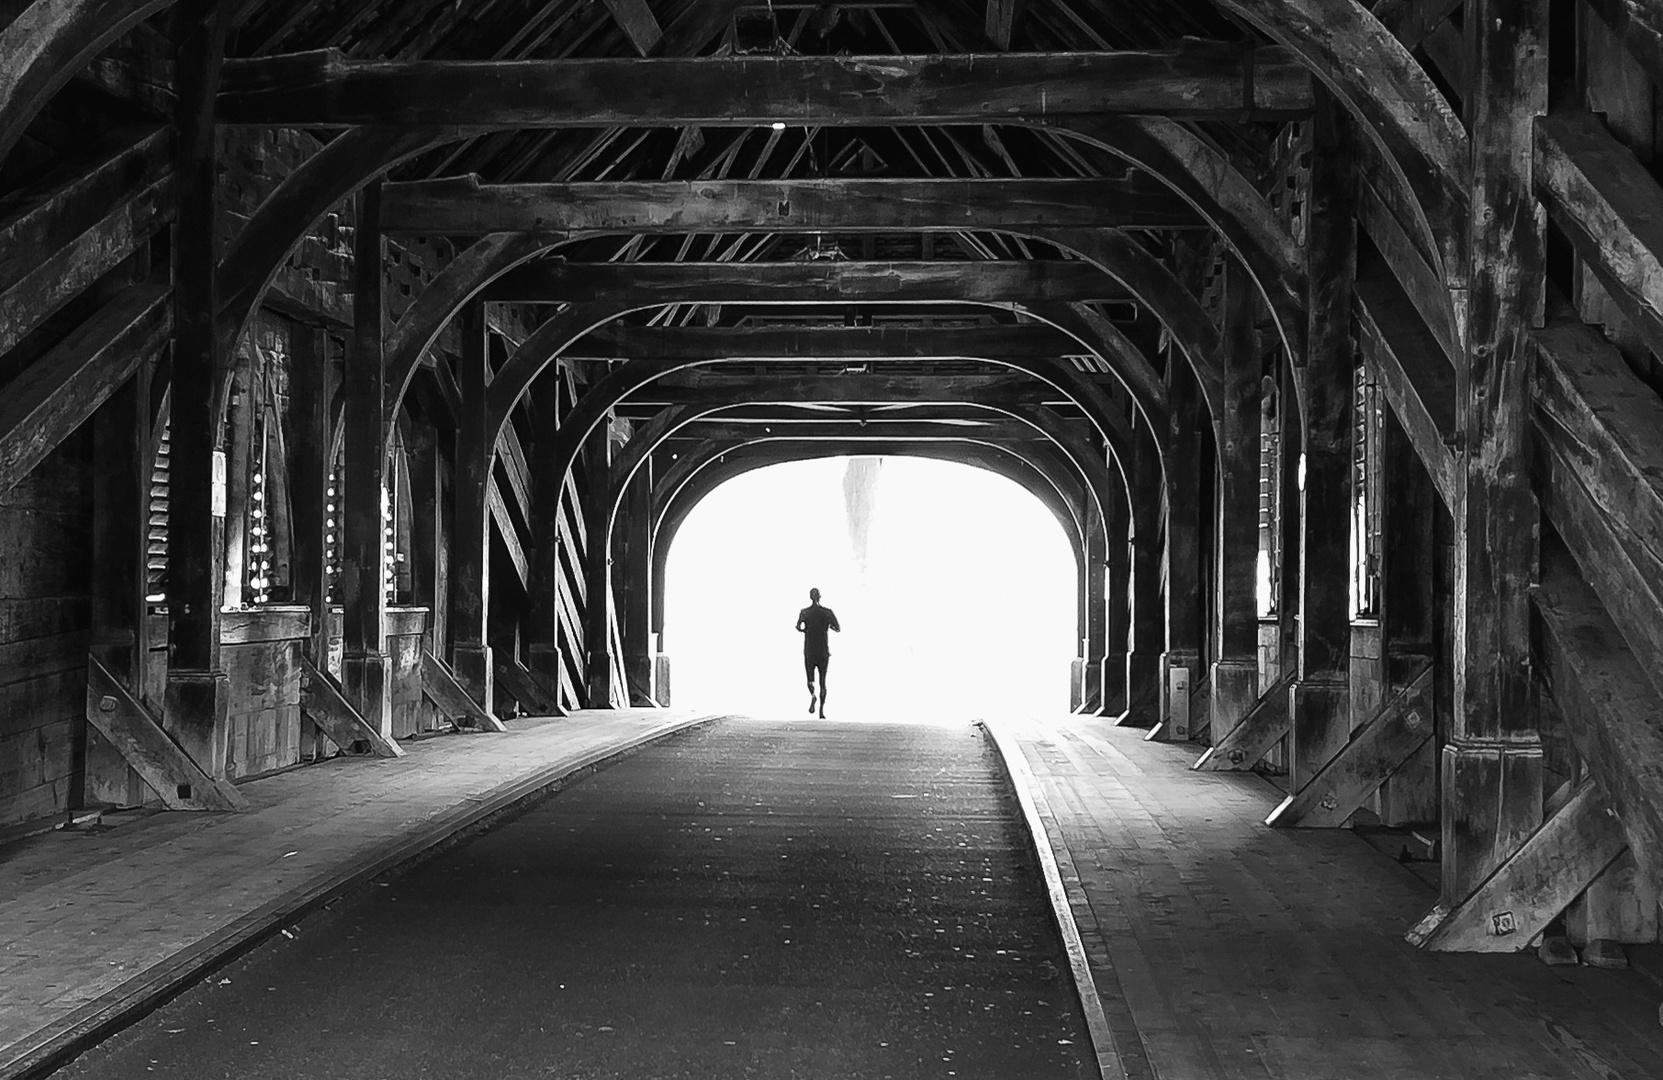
x: 99, y: 925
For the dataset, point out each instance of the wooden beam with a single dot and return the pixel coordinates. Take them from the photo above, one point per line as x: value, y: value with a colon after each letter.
x: 1639, y: 23
x: 1413, y: 21
x: 466, y: 206
x: 517, y: 683
x: 1606, y: 201
x: 1193, y: 81
x: 50, y: 277
x: 1378, y: 746
x: 441, y: 687
x: 1533, y: 885
x: 1032, y: 341
x: 1604, y: 423
x: 1263, y: 727
x: 1003, y: 16
x: 1609, y: 705
x: 60, y: 390
x: 1381, y: 84
x: 44, y: 219
x: 46, y: 43
x: 637, y: 21
x: 866, y: 388
x: 131, y: 729
x: 872, y: 429
x: 1420, y: 283
x: 324, y: 704
x: 552, y: 281
x: 1418, y: 380
x: 508, y: 532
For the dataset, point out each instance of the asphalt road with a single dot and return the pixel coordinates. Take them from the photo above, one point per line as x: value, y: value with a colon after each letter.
x: 753, y: 899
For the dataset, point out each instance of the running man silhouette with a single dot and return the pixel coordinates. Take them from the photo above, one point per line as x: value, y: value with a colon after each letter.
x: 813, y: 622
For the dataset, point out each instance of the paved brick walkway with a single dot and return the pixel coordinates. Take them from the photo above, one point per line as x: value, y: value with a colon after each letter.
x: 93, y: 925
x: 1235, y: 950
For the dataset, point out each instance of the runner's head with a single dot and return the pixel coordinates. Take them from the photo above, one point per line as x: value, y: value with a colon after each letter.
x: 814, y: 595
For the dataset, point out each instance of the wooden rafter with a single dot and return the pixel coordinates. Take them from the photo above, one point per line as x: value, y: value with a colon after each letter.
x: 324, y: 89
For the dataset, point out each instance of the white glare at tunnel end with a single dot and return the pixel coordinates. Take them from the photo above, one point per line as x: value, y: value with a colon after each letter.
x: 966, y: 606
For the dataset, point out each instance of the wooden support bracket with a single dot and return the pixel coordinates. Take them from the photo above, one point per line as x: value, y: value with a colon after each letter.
x: 522, y: 687
x: 138, y: 736
x: 1398, y: 728
x: 1258, y: 731
x: 1200, y: 704
x: 1536, y: 883
x: 324, y: 704
x: 439, y: 684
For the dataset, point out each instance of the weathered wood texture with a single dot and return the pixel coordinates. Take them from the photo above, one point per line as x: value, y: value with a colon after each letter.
x: 551, y: 281
x: 324, y: 88
x: 466, y: 206
x: 1610, y: 707
x: 1261, y: 729
x: 614, y: 341
x: 1419, y: 382
x: 327, y: 707
x: 1378, y: 747
x: 1605, y: 200
x: 179, y: 781
x: 46, y: 43
x: 58, y: 392
x: 57, y: 241
x: 638, y: 24
x: 1533, y: 885
x: 439, y: 683
x: 514, y: 680
x: 46, y: 542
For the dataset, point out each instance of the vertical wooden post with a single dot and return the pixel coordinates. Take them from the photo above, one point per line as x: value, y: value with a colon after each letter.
x: 471, y: 565
x: 658, y: 560
x: 1414, y: 563
x: 120, y: 499
x: 1235, y: 673
x: 544, y: 646
x: 1181, y: 663
x: 365, y: 667
x: 1145, y: 667
x: 1492, y: 764
x: 309, y: 446
x: 597, y: 611
x: 196, y: 704
x: 1323, y: 381
x: 1094, y: 639
x: 1117, y: 613
x: 634, y: 584
x: 426, y: 537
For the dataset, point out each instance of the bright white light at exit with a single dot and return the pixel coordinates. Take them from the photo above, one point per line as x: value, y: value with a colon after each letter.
x: 965, y: 606
x: 778, y: 125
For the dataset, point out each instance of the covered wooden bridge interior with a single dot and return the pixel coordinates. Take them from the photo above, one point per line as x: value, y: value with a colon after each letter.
x: 362, y: 358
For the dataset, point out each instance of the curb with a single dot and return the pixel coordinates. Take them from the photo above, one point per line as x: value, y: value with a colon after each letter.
x: 1034, y: 811
x: 54, y: 1046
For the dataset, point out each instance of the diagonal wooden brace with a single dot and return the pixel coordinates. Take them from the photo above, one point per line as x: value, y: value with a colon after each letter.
x: 1536, y: 883
x: 1398, y: 728
x: 1247, y: 742
x: 519, y: 684
x: 324, y: 705
x: 1200, y: 704
x: 440, y: 685
x: 127, y: 724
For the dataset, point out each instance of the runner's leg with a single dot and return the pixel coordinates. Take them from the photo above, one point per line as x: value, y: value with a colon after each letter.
x: 808, y: 670
x: 822, y: 662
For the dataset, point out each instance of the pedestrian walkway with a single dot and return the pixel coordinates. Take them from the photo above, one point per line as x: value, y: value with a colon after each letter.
x: 757, y: 898
x: 94, y: 927
x: 1223, y: 949
x: 1220, y: 949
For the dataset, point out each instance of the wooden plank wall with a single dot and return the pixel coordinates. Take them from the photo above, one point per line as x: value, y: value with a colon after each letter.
x: 45, y: 616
